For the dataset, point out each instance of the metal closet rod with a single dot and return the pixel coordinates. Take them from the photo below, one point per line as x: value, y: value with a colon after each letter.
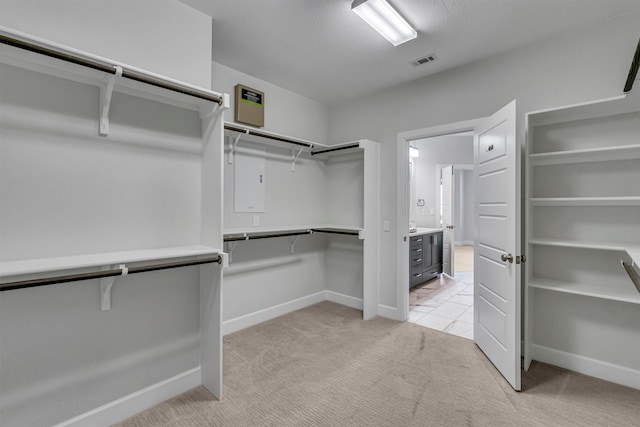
x: 328, y: 150
x: 266, y: 135
x: 329, y: 231
x: 293, y: 233
x: 633, y: 274
x: 265, y: 236
x: 108, y: 273
x: 633, y: 71
x: 129, y: 74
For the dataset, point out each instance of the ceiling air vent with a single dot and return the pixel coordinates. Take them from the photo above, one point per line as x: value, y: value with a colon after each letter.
x: 425, y: 59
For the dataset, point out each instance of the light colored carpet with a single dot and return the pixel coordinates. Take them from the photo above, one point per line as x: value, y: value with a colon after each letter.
x: 324, y: 366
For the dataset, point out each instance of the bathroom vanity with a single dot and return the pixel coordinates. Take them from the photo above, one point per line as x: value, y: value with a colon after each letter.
x: 425, y: 257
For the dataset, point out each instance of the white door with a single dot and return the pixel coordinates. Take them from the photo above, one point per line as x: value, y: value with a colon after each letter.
x: 446, y: 180
x: 497, y: 274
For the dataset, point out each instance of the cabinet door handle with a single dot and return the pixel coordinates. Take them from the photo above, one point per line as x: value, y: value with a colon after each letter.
x: 418, y: 240
x: 418, y: 260
x: 418, y: 250
x: 418, y: 275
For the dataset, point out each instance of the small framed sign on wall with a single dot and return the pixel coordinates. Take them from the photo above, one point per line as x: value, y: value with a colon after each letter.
x: 249, y: 106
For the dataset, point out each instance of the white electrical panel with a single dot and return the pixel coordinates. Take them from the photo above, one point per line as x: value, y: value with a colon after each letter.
x: 249, y: 179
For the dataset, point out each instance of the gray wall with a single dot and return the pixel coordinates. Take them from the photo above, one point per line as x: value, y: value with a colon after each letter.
x: 578, y: 66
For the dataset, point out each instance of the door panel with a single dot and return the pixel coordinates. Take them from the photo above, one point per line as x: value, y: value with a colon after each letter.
x: 497, y: 281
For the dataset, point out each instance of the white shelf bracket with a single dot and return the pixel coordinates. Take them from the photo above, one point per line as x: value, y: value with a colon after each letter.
x: 232, y: 149
x: 105, y: 287
x: 294, y: 240
x: 106, y: 92
x: 294, y: 158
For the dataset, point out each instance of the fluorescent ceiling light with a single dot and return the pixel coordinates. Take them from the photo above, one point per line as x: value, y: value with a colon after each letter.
x: 414, y: 152
x: 385, y: 20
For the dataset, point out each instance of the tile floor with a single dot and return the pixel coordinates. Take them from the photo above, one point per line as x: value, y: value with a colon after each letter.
x: 444, y: 304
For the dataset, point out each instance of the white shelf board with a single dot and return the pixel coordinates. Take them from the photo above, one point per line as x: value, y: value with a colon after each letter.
x: 616, y: 293
x: 623, y: 152
x: 41, y: 265
x: 21, y: 58
x: 279, y: 138
x: 595, y: 109
x: 632, y: 250
x: 291, y: 228
x: 585, y: 201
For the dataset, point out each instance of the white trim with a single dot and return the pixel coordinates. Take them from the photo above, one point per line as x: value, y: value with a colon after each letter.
x: 233, y: 325
x: 134, y: 403
x: 343, y: 299
x: 388, y: 312
x: 464, y: 243
x: 587, y: 366
x: 402, y: 204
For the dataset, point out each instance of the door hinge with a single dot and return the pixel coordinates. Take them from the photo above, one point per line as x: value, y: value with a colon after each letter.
x: 521, y: 258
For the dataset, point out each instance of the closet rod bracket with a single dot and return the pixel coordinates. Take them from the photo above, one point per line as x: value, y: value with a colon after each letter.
x: 233, y: 146
x: 294, y: 158
x: 106, y: 92
x: 106, y: 284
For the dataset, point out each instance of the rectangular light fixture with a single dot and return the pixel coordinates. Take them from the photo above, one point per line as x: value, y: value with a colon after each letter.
x: 414, y: 152
x: 385, y: 20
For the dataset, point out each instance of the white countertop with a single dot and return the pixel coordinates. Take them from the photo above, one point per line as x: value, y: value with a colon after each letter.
x: 420, y: 231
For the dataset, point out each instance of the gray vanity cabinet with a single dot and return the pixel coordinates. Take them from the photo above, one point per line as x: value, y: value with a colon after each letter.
x: 425, y: 257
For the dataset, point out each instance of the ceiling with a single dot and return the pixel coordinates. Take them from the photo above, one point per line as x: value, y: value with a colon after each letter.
x: 320, y: 49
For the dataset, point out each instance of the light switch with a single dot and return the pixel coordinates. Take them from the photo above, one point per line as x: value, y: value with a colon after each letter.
x: 386, y: 226
x: 432, y: 211
x: 256, y: 220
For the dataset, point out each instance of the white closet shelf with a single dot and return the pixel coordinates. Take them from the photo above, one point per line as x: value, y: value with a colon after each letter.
x: 293, y: 229
x: 615, y: 293
x: 585, y: 201
x: 597, y: 109
x: 41, y: 265
x: 48, y: 65
x: 622, y: 152
x: 632, y: 250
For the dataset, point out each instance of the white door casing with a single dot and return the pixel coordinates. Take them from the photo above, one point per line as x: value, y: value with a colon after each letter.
x: 448, y: 238
x: 497, y: 292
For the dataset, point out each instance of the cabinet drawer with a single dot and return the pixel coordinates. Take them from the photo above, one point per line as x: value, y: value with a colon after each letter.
x: 416, y: 241
x: 416, y: 279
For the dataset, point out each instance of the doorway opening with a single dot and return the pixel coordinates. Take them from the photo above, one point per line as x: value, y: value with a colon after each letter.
x: 441, y: 211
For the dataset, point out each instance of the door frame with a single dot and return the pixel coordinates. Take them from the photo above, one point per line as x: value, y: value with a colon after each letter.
x: 402, y: 202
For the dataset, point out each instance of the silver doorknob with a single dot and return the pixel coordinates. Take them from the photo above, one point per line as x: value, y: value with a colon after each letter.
x: 506, y: 257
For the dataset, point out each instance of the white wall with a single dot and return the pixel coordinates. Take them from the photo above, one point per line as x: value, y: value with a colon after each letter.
x: 579, y: 66
x: 285, y: 112
x: 442, y: 150
x: 137, y: 188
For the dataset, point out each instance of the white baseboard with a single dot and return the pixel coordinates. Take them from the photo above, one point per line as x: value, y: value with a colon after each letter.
x: 343, y: 299
x: 136, y: 402
x: 588, y: 366
x: 388, y: 312
x: 233, y: 325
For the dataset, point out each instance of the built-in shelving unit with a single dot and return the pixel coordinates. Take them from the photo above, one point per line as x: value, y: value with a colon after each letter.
x: 583, y: 233
x: 321, y: 210
x: 106, y: 169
